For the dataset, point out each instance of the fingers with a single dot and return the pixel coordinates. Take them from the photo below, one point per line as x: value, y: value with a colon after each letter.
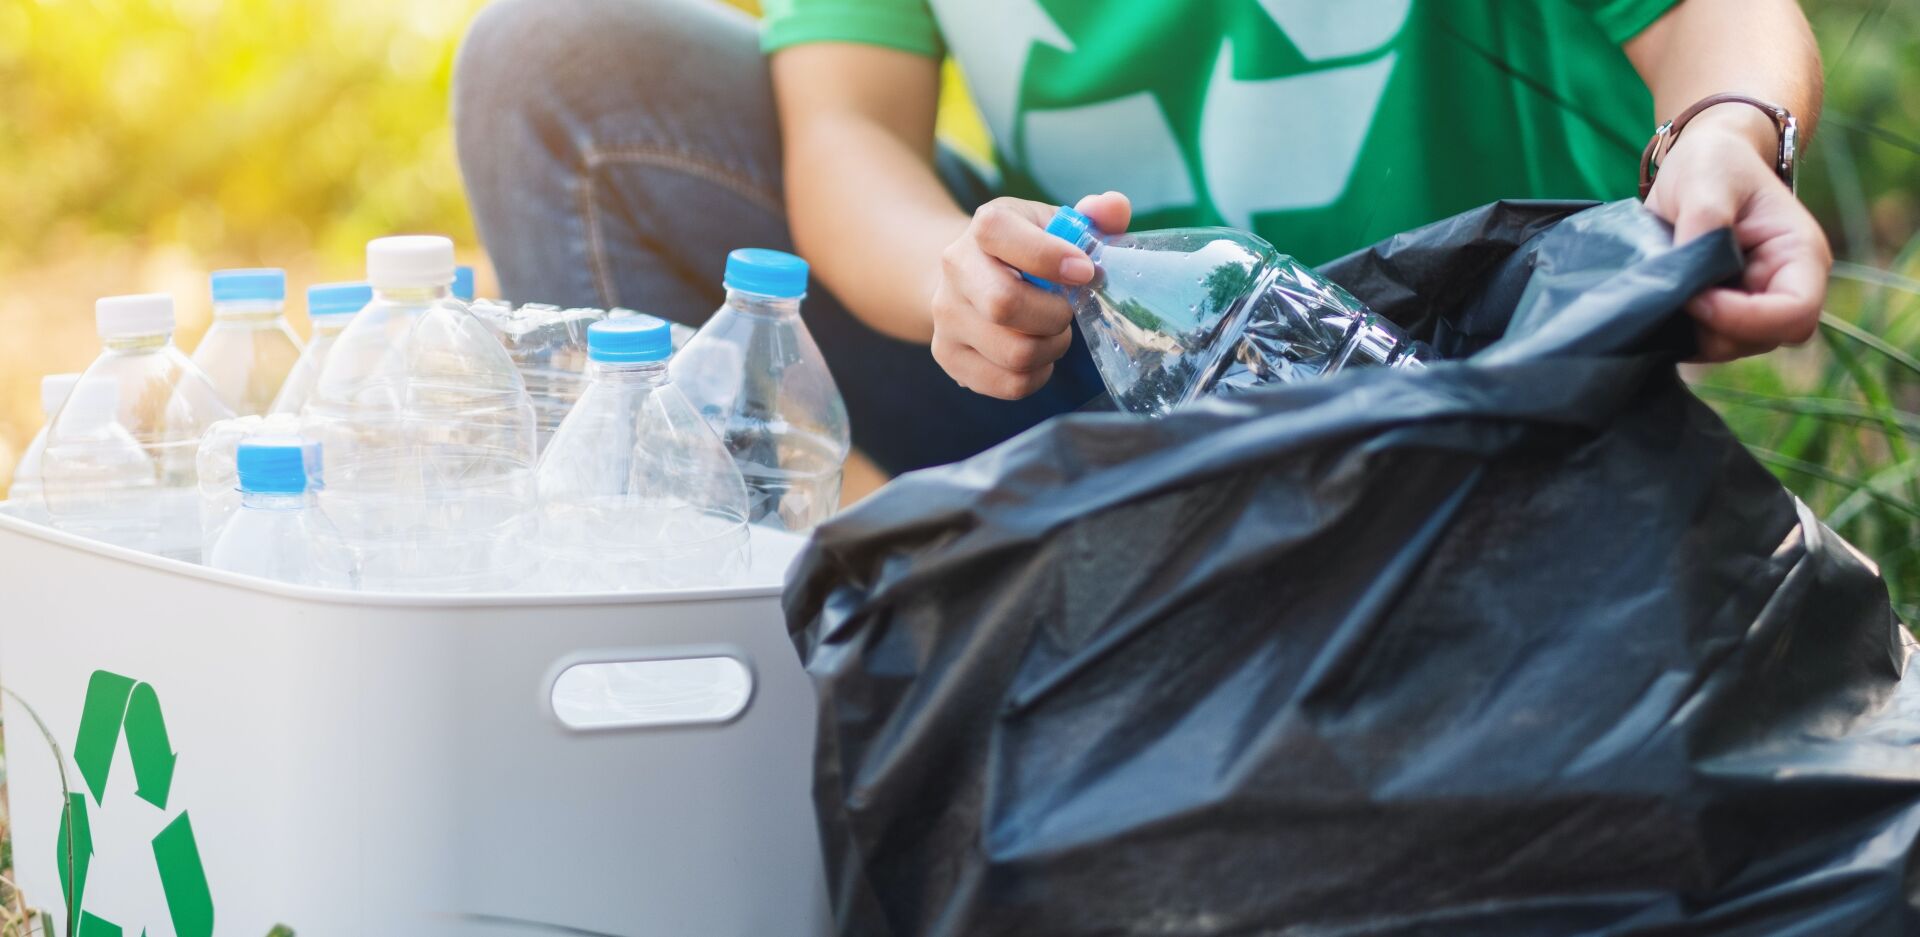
x: 975, y: 372
x: 1013, y: 231
x: 1011, y: 325
x: 1788, y: 261
x: 1020, y: 353
x: 1110, y: 211
x: 993, y: 332
x: 1716, y: 348
x: 1786, y: 313
x: 990, y: 292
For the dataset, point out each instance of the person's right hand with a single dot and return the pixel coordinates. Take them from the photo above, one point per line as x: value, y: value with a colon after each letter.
x: 993, y: 332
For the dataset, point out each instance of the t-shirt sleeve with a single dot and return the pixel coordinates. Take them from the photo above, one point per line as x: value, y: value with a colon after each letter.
x: 1622, y: 20
x: 907, y: 25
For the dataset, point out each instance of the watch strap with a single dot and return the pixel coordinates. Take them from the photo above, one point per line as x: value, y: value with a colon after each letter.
x: 1664, y: 137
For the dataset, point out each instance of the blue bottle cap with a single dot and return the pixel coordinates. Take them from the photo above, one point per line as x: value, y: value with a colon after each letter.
x: 272, y: 465
x: 766, y: 273
x: 1070, y: 226
x: 631, y: 339
x: 241, y: 285
x: 337, y: 299
x: 463, y: 283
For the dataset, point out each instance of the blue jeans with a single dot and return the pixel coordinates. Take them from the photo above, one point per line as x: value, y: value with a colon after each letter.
x: 616, y: 150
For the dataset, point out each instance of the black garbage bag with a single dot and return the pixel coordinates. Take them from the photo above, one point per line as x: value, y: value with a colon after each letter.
x: 1521, y: 644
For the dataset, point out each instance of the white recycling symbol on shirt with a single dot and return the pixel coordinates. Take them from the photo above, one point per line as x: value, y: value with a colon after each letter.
x: 1271, y: 144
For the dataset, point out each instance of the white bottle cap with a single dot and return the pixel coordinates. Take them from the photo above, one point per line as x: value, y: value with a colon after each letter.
x: 141, y: 314
x: 95, y: 402
x: 409, y: 262
x: 54, y: 389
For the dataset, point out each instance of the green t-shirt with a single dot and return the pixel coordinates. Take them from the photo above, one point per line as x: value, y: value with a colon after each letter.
x: 1322, y: 125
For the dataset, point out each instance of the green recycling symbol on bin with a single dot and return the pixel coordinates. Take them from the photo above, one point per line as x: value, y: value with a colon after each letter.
x: 115, y: 703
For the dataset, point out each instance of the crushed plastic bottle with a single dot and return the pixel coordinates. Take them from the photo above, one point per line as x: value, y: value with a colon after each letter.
x: 757, y: 377
x: 25, y: 494
x: 330, y: 307
x: 249, y: 350
x: 140, y: 388
x: 1168, y: 313
x: 636, y: 491
x: 428, y: 434
x: 271, y: 534
x: 549, y: 346
x: 217, y: 468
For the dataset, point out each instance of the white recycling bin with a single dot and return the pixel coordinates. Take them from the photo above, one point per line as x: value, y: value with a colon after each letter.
x: 208, y: 753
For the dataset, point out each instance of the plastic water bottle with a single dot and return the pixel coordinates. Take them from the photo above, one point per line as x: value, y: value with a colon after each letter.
x: 164, y: 404
x: 549, y: 346
x: 463, y: 283
x: 216, y: 465
x: 104, y: 486
x: 25, y: 493
x: 330, y: 306
x: 1170, y: 313
x: 428, y: 434
x: 249, y: 350
x: 756, y: 375
x: 271, y: 534
x: 636, y: 491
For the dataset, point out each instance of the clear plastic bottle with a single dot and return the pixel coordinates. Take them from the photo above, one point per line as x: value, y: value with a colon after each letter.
x: 105, y: 487
x: 250, y: 349
x: 164, y: 403
x: 549, y: 346
x: 636, y: 491
x: 1169, y: 313
x: 756, y: 375
x: 271, y: 534
x: 428, y: 434
x: 216, y: 465
x: 330, y: 307
x: 25, y: 493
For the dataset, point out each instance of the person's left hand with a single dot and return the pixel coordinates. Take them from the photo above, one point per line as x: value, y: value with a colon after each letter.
x: 1715, y: 177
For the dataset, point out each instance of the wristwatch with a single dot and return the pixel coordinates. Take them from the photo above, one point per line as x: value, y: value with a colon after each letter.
x: 1787, y: 163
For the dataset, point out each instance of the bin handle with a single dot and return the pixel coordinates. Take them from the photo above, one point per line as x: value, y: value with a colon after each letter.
x: 599, y: 691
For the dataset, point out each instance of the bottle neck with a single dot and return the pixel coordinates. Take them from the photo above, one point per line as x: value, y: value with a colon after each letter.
x: 760, y: 304
x: 328, y: 326
x: 413, y: 294
x: 136, y: 344
x: 260, y: 311
x: 1090, y: 244
x: 630, y: 373
x: 273, y: 500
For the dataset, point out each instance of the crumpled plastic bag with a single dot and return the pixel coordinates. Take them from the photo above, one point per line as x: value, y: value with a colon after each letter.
x: 1519, y: 644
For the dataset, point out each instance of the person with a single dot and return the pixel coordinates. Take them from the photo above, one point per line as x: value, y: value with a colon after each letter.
x: 616, y: 149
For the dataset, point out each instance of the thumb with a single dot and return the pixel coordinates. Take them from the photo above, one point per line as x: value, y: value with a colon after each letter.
x: 1111, y: 212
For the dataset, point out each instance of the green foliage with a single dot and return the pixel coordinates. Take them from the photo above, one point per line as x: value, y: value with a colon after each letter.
x: 1839, y: 421
x: 250, y: 127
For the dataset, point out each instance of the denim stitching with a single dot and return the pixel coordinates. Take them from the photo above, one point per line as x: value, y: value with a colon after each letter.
x: 596, y: 250
x: 690, y: 164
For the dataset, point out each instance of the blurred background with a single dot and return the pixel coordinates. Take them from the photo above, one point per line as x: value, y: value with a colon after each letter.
x: 144, y: 143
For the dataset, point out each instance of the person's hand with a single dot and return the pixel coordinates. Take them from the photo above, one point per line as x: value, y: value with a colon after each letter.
x: 1714, y: 177
x: 993, y: 332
